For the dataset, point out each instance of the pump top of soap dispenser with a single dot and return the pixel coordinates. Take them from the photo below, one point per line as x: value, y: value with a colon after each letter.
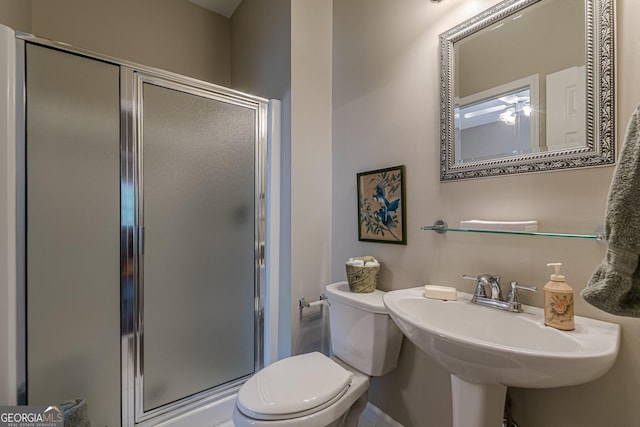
x: 556, y: 277
x: 557, y: 283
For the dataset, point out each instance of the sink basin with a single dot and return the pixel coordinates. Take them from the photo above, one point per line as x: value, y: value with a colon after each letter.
x: 486, y: 349
x: 486, y: 345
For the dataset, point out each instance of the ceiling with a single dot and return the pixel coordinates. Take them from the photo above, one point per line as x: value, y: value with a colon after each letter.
x: 222, y: 7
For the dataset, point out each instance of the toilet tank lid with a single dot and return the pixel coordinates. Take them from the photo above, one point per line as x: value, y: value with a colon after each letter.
x: 371, y: 302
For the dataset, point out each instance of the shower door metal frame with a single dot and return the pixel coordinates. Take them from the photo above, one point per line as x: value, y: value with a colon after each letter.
x: 132, y: 76
x: 132, y: 172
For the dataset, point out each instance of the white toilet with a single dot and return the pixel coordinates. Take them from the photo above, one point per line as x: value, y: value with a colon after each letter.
x: 313, y: 390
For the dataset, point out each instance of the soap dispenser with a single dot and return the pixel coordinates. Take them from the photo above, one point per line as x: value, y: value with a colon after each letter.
x: 558, y: 301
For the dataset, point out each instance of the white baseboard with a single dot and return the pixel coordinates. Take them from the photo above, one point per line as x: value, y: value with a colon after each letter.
x: 374, y: 416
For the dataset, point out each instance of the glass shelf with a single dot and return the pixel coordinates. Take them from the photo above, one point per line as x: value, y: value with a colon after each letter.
x: 441, y: 227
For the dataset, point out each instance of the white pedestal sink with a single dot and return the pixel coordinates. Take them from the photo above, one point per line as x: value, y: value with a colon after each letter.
x: 486, y: 350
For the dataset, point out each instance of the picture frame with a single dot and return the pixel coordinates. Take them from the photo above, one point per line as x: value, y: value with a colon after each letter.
x: 382, y: 205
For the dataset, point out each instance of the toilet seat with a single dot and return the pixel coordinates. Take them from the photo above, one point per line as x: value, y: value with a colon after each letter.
x: 294, y: 387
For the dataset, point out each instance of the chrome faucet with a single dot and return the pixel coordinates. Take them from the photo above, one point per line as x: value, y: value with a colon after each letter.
x: 495, y: 300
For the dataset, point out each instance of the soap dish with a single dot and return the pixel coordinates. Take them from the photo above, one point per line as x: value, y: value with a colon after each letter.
x: 440, y: 292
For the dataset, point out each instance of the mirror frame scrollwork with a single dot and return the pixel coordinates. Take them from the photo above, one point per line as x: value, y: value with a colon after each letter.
x: 599, y: 148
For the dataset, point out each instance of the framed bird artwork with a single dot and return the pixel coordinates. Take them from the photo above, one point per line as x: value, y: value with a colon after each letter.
x: 381, y: 206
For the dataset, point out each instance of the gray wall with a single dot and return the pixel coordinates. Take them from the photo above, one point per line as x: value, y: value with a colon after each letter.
x: 385, y: 112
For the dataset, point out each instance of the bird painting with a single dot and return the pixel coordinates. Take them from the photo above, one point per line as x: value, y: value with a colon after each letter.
x: 380, y: 205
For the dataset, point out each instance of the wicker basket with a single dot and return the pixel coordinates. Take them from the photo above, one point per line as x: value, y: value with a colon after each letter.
x: 362, y: 279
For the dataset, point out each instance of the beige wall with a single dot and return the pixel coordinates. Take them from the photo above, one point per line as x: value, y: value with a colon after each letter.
x: 261, y: 65
x: 174, y: 35
x: 385, y: 112
x: 16, y: 14
x: 310, y: 166
x: 167, y: 34
x: 261, y: 48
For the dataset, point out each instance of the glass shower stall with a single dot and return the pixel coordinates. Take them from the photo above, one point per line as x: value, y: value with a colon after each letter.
x: 142, y: 215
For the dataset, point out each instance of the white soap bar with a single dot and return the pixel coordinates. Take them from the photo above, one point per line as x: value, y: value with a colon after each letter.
x: 440, y: 292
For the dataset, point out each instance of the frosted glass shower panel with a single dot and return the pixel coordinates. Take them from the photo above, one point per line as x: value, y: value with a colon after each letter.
x: 198, y: 267
x: 73, y: 232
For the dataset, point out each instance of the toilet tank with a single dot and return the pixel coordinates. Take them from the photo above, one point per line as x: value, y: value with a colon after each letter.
x: 362, y: 332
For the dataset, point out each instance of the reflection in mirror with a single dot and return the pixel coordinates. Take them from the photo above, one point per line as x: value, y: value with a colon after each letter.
x: 497, y: 123
x: 527, y: 86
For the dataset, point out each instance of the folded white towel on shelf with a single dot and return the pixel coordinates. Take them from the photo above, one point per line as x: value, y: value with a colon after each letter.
x: 355, y: 262
x: 476, y: 224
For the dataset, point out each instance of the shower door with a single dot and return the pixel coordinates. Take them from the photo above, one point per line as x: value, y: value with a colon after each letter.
x: 195, y: 163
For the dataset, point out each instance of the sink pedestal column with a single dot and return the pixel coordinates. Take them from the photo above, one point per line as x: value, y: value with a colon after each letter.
x: 477, y: 405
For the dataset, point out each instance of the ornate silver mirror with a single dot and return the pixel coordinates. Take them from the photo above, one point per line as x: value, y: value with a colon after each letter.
x: 528, y: 86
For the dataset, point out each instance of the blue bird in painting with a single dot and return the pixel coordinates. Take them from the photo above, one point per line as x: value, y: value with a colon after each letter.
x: 380, y: 194
x: 384, y: 217
x: 393, y: 206
x: 384, y: 213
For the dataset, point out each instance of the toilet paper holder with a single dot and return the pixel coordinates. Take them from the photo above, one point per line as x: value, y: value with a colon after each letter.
x: 322, y: 301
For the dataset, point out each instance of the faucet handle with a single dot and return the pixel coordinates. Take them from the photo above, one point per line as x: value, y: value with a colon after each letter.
x: 484, y: 278
x: 513, y: 295
x: 481, y: 282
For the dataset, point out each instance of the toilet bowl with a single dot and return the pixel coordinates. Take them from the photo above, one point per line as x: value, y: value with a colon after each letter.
x: 315, y: 390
